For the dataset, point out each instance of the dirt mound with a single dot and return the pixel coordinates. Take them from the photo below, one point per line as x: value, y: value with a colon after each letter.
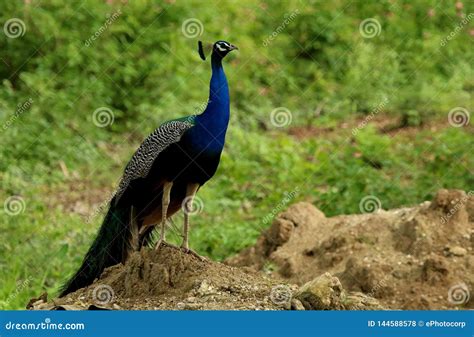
x: 169, y: 279
x: 409, y: 258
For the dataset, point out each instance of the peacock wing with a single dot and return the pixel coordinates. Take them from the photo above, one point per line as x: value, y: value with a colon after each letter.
x: 140, y: 164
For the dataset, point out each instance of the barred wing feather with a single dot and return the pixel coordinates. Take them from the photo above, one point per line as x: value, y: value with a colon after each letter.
x: 140, y: 164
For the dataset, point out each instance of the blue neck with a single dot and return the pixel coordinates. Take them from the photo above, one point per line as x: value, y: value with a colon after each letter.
x: 211, y: 125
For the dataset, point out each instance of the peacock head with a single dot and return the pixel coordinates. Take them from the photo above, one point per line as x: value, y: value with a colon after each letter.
x: 220, y: 49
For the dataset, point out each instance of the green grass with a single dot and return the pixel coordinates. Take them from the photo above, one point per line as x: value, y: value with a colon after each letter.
x: 319, y: 67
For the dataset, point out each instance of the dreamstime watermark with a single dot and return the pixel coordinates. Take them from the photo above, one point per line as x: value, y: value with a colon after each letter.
x: 368, y: 118
x: 456, y: 207
x: 46, y: 325
x: 14, y: 205
x: 459, y: 294
x: 459, y: 27
x: 458, y: 117
x: 201, y: 107
x: 281, y: 117
x: 380, y: 284
x: 103, y: 117
x: 288, y: 19
x: 18, y: 112
x: 14, y: 28
x: 103, y: 294
x: 370, y: 204
x: 370, y: 28
x: 19, y: 288
x: 101, y: 207
x: 192, y: 205
x: 192, y: 28
x: 281, y: 294
x: 111, y: 18
x: 289, y: 196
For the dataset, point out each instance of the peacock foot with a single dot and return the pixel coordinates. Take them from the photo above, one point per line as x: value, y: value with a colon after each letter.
x: 188, y: 250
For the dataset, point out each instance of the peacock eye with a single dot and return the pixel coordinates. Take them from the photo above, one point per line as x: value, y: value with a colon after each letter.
x: 221, y: 47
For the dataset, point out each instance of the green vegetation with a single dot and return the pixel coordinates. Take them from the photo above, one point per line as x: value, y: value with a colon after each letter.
x: 143, y: 68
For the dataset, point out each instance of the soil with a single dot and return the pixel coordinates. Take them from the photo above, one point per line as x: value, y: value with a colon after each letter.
x: 411, y: 258
x: 169, y: 279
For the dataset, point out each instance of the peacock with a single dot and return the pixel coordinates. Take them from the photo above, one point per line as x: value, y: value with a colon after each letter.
x: 162, y: 177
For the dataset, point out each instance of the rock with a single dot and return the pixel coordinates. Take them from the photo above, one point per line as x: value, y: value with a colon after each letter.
x: 44, y: 306
x: 326, y: 293
x: 456, y: 251
x: 360, y: 301
x: 205, y: 289
x: 69, y: 307
x: 36, y: 301
x: 425, y: 301
x: 322, y: 293
x: 297, y: 305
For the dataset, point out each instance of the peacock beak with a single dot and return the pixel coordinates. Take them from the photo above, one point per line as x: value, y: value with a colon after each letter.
x: 232, y: 47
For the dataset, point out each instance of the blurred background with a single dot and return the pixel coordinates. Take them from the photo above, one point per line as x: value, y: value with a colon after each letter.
x: 331, y: 102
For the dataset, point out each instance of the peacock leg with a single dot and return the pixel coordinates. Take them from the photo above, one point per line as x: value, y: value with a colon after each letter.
x: 188, y: 204
x: 135, y: 236
x: 165, y: 201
